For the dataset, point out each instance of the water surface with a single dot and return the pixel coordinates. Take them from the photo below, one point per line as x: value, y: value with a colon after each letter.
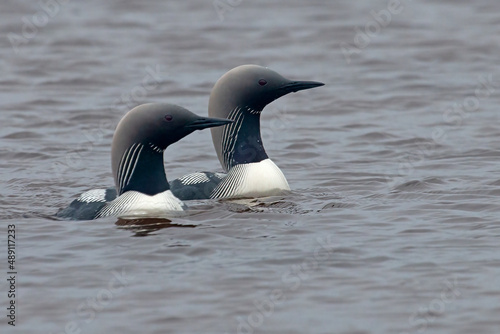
x: 392, y: 225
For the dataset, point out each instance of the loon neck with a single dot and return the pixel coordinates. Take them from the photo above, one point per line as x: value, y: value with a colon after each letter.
x: 141, y: 169
x: 241, y: 140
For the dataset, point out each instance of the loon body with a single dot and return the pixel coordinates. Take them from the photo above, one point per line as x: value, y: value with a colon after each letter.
x: 137, y: 162
x: 240, y: 95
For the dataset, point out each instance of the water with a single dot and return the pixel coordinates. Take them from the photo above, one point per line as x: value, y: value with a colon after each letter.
x: 392, y: 226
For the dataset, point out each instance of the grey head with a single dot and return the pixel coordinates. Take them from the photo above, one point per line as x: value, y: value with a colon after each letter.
x: 240, y: 95
x: 140, y: 139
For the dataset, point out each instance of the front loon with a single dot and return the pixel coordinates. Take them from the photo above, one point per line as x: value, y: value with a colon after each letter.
x: 240, y: 95
x: 139, y: 141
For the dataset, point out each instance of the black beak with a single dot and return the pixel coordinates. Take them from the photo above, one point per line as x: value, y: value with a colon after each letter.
x: 295, y: 86
x: 207, y: 122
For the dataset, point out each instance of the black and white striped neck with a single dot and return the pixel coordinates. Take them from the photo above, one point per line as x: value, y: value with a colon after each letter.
x: 141, y: 169
x: 241, y: 141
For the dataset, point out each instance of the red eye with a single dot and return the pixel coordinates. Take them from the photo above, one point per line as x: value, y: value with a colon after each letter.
x: 168, y: 118
x: 262, y: 82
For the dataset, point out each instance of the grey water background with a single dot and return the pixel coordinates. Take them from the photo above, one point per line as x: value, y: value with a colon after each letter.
x: 393, y: 222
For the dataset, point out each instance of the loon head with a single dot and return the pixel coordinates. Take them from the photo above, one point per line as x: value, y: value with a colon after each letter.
x: 240, y: 95
x: 140, y: 139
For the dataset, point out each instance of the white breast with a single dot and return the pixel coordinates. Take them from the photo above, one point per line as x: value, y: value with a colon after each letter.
x: 136, y: 204
x: 257, y: 179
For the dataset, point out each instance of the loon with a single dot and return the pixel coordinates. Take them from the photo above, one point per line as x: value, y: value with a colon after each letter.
x: 240, y: 95
x: 141, y: 184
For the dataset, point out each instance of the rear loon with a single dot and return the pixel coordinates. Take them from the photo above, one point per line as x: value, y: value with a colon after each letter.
x: 240, y: 95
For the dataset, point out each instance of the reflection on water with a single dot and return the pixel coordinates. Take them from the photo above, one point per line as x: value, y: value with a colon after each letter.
x: 145, y: 226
